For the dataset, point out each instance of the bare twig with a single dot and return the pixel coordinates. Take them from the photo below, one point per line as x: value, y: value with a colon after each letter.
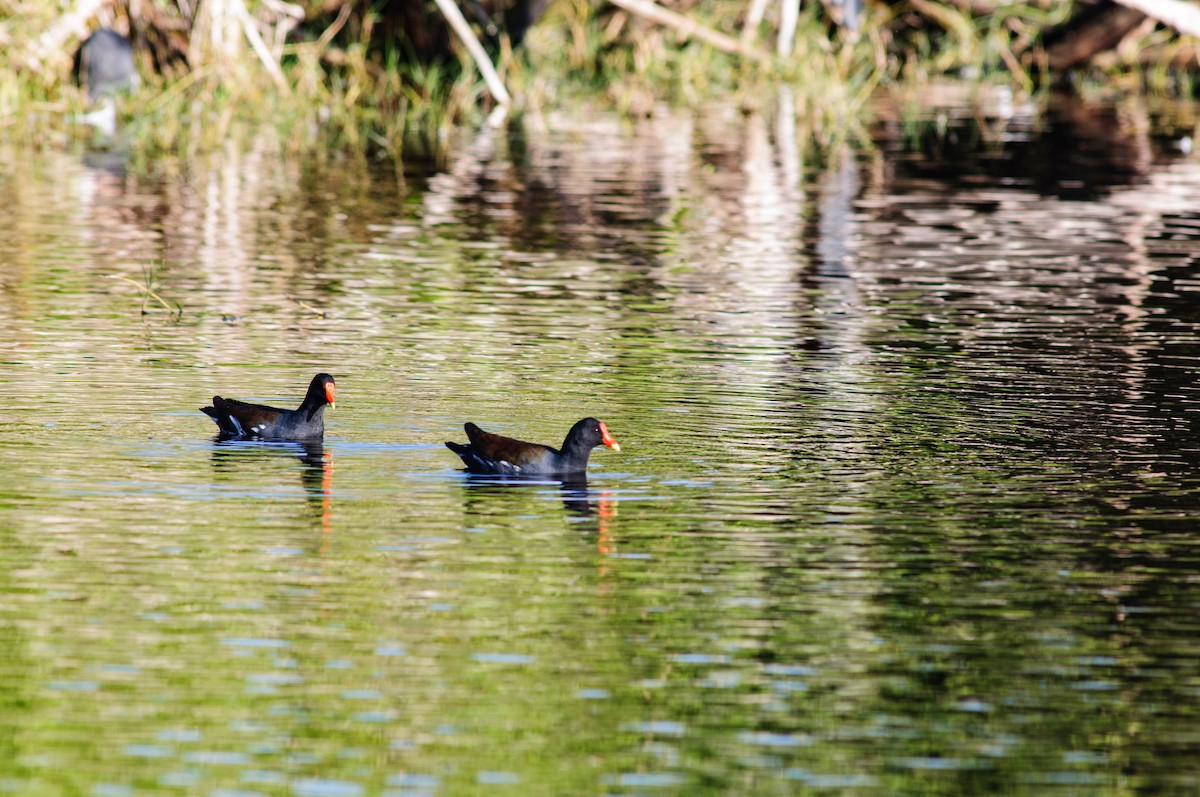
x: 256, y: 42
x: 1014, y: 67
x: 688, y: 27
x: 146, y: 291
x: 327, y: 35
x: 460, y: 26
x: 310, y: 308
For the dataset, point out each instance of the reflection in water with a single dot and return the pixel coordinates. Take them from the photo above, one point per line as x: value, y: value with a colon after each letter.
x: 238, y: 459
x: 591, y: 511
x: 580, y: 502
x: 907, y: 505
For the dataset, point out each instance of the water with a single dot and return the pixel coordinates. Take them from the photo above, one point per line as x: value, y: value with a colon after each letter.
x: 905, y: 502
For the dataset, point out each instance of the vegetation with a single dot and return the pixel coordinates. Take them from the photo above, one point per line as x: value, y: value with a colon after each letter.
x: 377, y: 80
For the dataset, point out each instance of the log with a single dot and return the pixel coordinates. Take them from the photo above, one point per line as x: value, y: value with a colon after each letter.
x: 1088, y: 33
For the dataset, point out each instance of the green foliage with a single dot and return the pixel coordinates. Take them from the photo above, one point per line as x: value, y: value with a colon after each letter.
x: 990, y: 45
x: 351, y: 83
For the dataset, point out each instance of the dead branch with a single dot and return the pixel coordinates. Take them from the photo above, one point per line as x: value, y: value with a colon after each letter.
x: 460, y: 26
x: 688, y: 27
x: 256, y: 42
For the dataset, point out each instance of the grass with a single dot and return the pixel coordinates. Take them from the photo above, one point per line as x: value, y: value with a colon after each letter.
x: 375, y: 112
x: 347, y: 93
x: 146, y: 287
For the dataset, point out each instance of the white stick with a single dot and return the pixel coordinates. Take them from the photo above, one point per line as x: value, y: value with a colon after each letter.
x: 460, y: 26
x: 789, y: 14
x: 1183, y: 17
x: 754, y: 18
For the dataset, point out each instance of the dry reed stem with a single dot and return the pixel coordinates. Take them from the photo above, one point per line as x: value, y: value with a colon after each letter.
x: 310, y: 308
x: 754, y: 18
x: 146, y: 291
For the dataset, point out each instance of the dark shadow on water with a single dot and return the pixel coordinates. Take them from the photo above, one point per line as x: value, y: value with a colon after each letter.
x: 1081, y: 151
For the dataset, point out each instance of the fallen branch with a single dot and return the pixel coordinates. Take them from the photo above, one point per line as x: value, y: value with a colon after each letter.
x: 1183, y: 17
x: 460, y: 26
x: 687, y: 27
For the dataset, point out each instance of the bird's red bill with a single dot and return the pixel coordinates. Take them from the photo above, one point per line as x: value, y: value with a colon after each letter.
x: 329, y: 394
x: 607, y: 439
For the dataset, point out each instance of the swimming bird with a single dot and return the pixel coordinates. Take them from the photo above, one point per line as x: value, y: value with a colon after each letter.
x: 238, y: 419
x: 493, y: 453
x: 104, y: 64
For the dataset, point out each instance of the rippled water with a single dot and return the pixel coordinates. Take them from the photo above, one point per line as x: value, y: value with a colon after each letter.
x: 906, y: 501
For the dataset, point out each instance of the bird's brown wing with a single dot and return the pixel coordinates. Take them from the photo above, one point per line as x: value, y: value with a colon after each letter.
x: 505, y: 449
x: 252, y: 419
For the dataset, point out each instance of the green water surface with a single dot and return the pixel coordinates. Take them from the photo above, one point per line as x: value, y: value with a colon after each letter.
x: 906, y: 501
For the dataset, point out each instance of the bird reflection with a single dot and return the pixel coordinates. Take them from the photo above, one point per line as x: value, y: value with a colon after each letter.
x: 576, y: 499
x: 316, y: 471
x: 579, y: 502
x: 594, y: 509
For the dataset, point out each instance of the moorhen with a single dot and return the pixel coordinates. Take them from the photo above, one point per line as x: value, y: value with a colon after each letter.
x: 237, y: 419
x: 491, y: 453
